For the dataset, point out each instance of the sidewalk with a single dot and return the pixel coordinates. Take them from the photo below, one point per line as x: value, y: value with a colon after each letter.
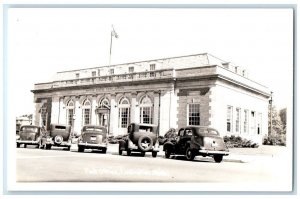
x: 239, y: 155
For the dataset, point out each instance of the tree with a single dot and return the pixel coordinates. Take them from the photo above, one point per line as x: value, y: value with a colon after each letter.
x: 277, y: 125
x: 282, y: 115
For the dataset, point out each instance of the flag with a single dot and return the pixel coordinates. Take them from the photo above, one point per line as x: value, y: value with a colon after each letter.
x: 114, y: 33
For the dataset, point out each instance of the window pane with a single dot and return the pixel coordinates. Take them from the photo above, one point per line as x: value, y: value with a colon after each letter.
x: 194, y: 114
x: 229, y: 118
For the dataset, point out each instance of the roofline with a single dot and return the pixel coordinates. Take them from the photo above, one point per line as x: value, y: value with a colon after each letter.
x: 138, y: 62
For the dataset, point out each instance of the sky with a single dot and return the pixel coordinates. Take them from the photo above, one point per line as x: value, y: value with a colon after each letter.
x: 43, y: 41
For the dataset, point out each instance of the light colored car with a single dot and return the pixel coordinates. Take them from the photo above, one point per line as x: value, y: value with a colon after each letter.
x: 140, y: 138
x: 195, y: 141
x: 93, y: 137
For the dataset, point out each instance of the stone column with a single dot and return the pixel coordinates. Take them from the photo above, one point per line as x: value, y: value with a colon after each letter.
x: 113, y: 123
x: 134, y: 117
x: 156, y: 108
x: 94, y: 104
x: 78, y: 116
x: 63, y: 112
x: 55, y: 109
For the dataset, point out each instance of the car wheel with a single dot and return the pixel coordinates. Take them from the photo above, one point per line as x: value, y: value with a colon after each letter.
x: 25, y: 145
x: 143, y: 154
x: 167, y: 153
x: 190, y: 155
x: 104, y: 151
x: 80, y: 149
x: 18, y: 145
x: 145, y: 143
x: 48, y: 146
x: 120, y: 150
x: 128, y: 152
x: 218, y: 158
x: 68, y: 148
x: 154, y: 154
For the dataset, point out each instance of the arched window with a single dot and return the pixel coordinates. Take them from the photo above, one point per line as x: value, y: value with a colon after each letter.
x: 70, y: 112
x: 146, y: 110
x: 86, y: 112
x: 104, y: 103
x: 124, y: 112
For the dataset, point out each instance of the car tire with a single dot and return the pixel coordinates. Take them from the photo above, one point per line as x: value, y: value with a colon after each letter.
x: 25, y: 145
x: 143, y: 154
x: 48, y: 146
x: 154, y: 154
x: 120, y: 150
x: 190, y: 155
x: 18, y: 145
x: 218, y: 158
x: 80, y: 149
x: 68, y: 148
x: 128, y: 152
x: 104, y: 151
x: 167, y: 153
x: 145, y: 143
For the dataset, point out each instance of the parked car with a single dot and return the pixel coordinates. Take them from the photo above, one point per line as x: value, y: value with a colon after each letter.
x: 29, y: 135
x: 59, y: 135
x: 140, y: 138
x: 93, y: 137
x: 197, y: 140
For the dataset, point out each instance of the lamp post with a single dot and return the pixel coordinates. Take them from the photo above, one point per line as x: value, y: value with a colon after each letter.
x: 271, y: 114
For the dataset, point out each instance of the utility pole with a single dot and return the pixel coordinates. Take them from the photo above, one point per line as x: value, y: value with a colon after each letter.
x: 113, y: 33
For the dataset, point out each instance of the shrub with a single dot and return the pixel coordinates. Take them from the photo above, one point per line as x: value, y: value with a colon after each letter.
x: 275, y: 140
x: 239, y: 142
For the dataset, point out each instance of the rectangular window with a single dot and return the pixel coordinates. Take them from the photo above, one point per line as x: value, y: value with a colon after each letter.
x: 86, y: 116
x: 252, y: 122
x: 152, y: 66
x: 124, y: 117
x: 246, y: 121
x: 237, y: 120
x: 70, y: 117
x: 146, y: 115
x: 77, y: 75
x: 111, y: 71
x: 229, y: 118
x: 194, y: 114
x: 131, y: 69
x: 259, y: 122
x: 94, y: 74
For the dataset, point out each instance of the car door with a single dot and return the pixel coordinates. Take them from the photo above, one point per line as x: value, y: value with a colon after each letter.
x: 179, y: 141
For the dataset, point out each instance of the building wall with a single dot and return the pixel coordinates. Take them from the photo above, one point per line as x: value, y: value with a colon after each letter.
x: 224, y: 95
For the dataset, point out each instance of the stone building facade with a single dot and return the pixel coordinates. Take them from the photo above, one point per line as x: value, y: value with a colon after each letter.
x: 170, y: 92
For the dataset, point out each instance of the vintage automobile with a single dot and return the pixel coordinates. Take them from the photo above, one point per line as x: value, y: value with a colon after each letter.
x: 140, y: 138
x: 197, y: 140
x: 59, y: 135
x: 29, y: 135
x: 93, y: 137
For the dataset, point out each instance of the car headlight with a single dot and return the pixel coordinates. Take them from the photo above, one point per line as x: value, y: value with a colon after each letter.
x: 49, y: 139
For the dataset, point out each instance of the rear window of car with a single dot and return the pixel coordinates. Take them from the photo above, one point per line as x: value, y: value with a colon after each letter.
x: 99, y: 130
x: 145, y: 129
x: 60, y: 127
x: 30, y: 129
x: 208, y: 131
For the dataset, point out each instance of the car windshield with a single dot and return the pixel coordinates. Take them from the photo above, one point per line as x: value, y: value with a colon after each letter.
x: 30, y: 129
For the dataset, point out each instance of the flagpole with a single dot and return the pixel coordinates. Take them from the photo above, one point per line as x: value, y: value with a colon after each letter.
x: 110, y: 48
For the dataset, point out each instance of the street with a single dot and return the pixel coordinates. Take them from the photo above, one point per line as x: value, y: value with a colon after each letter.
x: 59, y: 165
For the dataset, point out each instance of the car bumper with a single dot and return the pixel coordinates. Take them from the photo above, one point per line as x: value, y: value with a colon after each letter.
x: 63, y: 144
x: 27, y: 142
x: 207, y: 152
x: 89, y: 145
